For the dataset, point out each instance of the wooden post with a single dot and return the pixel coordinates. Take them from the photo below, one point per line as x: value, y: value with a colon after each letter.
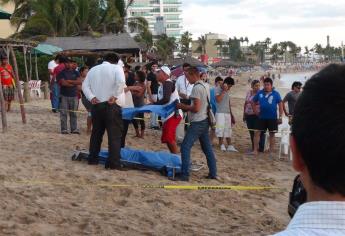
x: 30, y: 73
x: 36, y: 67
x: 26, y: 65
x: 26, y: 92
x: 3, y: 111
x: 46, y: 90
x: 19, y: 87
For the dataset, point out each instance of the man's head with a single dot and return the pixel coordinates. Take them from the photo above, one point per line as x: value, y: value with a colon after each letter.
x: 228, y: 83
x: 255, y: 85
x: 268, y: 84
x: 73, y: 64
x: 218, y: 81
x: 154, y: 67
x: 140, y: 76
x: 163, y: 74
x: 3, y: 58
x: 296, y: 86
x: 192, y: 75
x: 185, y: 67
x: 112, y: 58
x: 318, y: 134
x: 63, y: 60
x: 127, y: 67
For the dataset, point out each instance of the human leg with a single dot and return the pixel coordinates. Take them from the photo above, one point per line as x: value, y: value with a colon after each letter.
x: 63, y: 114
x: 114, y: 127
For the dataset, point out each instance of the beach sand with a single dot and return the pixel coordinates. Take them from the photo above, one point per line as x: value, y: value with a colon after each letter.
x: 44, y: 193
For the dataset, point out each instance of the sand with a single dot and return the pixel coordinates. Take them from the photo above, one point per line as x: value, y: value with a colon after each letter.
x: 61, y: 197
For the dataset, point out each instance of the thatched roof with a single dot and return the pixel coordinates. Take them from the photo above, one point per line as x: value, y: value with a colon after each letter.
x: 121, y: 43
x: 179, y: 61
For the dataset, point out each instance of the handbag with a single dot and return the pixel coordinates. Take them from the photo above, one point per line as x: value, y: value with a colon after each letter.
x: 210, y: 116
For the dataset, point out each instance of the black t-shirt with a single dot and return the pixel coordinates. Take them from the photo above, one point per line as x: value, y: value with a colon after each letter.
x: 68, y: 75
x: 130, y: 80
x: 154, y: 83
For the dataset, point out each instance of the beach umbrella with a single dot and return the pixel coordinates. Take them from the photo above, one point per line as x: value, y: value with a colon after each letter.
x: 46, y: 49
x: 4, y: 15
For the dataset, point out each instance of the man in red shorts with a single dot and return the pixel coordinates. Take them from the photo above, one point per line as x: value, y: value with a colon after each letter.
x: 167, y: 94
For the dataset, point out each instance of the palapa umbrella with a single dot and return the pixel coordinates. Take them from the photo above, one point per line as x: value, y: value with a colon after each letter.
x: 4, y: 15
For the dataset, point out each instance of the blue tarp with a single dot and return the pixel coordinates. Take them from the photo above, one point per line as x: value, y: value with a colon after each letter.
x: 160, y: 161
x: 162, y: 111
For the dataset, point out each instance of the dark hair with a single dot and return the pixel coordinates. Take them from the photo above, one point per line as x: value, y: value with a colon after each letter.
x: 218, y: 79
x: 296, y: 84
x: 186, y: 65
x: 57, y: 57
x: 137, y: 68
x: 128, y: 66
x: 229, y: 81
x: 193, y: 71
x: 63, y: 59
x: 112, y: 58
x: 319, y: 129
x: 141, y: 75
x: 254, y: 82
x: 81, y: 70
x: 268, y: 80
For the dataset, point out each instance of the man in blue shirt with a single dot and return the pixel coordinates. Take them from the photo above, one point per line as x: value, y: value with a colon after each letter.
x: 269, y: 100
x: 69, y: 79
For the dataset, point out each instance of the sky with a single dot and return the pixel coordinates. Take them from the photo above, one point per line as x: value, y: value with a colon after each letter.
x: 305, y: 22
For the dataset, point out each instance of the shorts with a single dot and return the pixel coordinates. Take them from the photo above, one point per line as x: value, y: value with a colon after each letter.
x: 8, y: 92
x: 223, y: 125
x: 267, y: 124
x: 169, y: 129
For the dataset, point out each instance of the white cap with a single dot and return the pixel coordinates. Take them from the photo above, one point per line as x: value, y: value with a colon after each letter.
x: 120, y: 63
x: 165, y: 69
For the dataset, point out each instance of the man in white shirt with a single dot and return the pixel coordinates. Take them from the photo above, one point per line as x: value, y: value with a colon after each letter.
x: 318, y: 146
x: 184, y: 89
x: 54, y: 87
x: 103, y: 85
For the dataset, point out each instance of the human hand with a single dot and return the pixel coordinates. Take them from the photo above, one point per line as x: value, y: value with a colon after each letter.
x: 112, y: 100
x: 94, y: 101
x: 233, y: 121
x: 280, y: 121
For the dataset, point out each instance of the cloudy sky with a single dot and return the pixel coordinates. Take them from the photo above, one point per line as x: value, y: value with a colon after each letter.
x: 304, y: 22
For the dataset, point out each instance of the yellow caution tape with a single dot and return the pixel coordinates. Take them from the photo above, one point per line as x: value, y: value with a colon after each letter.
x: 168, y: 187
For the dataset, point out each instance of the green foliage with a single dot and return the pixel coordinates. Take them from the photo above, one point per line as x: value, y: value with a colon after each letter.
x: 165, y: 46
x: 42, y: 64
x: 37, y: 19
x: 186, y: 40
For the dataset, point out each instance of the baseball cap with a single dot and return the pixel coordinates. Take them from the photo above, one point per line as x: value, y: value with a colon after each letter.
x: 165, y: 69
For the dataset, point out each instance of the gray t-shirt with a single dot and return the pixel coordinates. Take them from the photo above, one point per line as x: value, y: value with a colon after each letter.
x: 291, y: 98
x: 224, y: 105
x: 200, y: 91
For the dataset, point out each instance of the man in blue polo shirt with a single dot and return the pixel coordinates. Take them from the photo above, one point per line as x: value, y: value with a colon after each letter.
x: 69, y: 79
x: 269, y: 100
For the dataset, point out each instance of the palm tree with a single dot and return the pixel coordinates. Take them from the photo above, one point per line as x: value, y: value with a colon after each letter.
x: 22, y: 12
x: 186, y: 40
x: 268, y: 42
x: 165, y: 46
x: 202, y: 44
x: 246, y: 40
x: 283, y: 46
x: 275, y: 52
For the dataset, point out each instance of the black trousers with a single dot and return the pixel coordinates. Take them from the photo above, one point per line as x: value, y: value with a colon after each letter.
x: 252, y: 121
x: 106, y: 117
x: 126, y: 124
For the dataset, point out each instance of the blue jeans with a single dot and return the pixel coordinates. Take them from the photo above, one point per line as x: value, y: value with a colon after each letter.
x: 55, y: 93
x: 198, y: 130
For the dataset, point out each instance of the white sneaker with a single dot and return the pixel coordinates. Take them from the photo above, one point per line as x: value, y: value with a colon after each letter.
x: 231, y: 149
x: 223, y: 148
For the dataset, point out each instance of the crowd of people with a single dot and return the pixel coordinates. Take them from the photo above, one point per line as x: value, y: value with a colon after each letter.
x: 104, y: 88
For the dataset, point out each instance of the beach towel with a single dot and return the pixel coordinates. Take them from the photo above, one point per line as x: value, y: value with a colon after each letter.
x: 163, y: 111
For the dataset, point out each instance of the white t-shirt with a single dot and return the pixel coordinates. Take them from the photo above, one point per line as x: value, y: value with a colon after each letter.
x: 51, y: 66
x: 183, y: 85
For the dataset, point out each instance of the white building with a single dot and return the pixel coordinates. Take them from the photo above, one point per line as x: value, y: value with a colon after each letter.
x: 159, y: 13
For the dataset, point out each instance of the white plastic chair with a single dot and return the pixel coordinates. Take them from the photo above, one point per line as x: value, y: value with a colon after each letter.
x: 35, y: 87
x: 284, y: 133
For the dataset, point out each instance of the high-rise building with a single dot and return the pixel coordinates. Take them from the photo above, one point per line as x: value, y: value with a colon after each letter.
x: 163, y: 16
